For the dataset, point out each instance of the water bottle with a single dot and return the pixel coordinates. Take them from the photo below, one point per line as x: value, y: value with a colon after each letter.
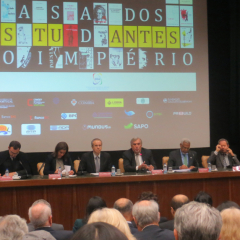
x: 60, y: 171
x: 165, y: 168
x: 7, y: 173
x: 209, y: 167
x: 113, y: 171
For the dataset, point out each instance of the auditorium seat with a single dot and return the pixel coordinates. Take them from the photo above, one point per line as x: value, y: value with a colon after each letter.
x: 120, y: 165
x: 204, y: 161
x: 165, y: 160
x: 76, y: 164
x: 40, y: 168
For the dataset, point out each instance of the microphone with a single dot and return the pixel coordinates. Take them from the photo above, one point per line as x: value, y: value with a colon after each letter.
x: 27, y: 175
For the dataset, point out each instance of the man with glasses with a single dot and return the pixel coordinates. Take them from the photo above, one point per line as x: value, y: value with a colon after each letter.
x: 14, y: 160
x: 183, y: 158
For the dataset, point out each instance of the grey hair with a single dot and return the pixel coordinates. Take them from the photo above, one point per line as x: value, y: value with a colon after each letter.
x: 124, y: 209
x: 95, y: 140
x: 197, y: 221
x: 12, y: 227
x: 185, y: 140
x: 135, y: 139
x: 146, y: 214
x: 223, y: 139
x: 41, y: 219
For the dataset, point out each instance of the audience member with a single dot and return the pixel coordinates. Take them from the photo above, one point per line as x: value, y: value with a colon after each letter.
x: 113, y: 217
x: 55, y: 226
x: 94, y: 203
x: 231, y: 224
x: 197, y: 221
x: 12, y: 227
x: 176, y: 202
x: 151, y: 196
x: 40, y: 215
x: 38, y: 235
x: 99, y: 231
x: 146, y: 216
x: 203, y: 197
x: 227, y: 204
x: 14, y: 160
x: 124, y: 206
x: 58, y: 158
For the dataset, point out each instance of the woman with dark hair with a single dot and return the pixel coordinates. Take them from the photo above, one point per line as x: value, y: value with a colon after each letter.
x: 58, y: 158
x: 203, y: 197
x: 94, y: 204
x: 99, y: 231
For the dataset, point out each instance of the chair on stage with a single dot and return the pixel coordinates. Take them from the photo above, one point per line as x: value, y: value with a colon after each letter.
x: 165, y: 160
x: 76, y: 164
x: 204, y: 161
x: 120, y: 165
x: 40, y: 168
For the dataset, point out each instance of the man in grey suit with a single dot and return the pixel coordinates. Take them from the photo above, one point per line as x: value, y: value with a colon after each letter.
x: 183, y: 158
x: 223, y: 156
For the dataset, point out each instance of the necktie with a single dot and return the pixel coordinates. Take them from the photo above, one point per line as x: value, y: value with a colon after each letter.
x: 137, y: 160
x: 97, y: 164
x: 185, y: 160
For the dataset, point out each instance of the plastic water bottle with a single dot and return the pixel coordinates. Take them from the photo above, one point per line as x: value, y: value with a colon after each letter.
x: 7, y: 173
x: 113, y: 171
x: 209, y: 167
x: 165, y: 168
x: 60, y: 171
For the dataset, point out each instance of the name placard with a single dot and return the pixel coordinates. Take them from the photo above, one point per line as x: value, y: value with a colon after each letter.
x: 54, y: 176
x: 158, y: 171
x: 104, y: 174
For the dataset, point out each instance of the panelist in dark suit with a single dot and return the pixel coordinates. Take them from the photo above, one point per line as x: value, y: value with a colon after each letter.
x: 146, y: 216
x: 14, y: 160
x: 58, y: 158
x: 223, y: 156
x: 183, y: 158
x: 95, y: 161
x: 40, y: 215
x: 138, y: 158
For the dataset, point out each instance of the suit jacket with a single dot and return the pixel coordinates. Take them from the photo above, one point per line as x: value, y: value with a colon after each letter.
x: 133, y: 229
x: 55, y: 226
x: 215, y: 160
x: 129, y: 159
x: 88, y: 164
x: 175, y: 159
x: 153, y: 232
x: 21, y: 164
x: 58, y: 234
x: 167, y: 225
x: 50, y: 164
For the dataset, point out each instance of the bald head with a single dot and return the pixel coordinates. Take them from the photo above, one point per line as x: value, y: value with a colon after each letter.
x: 40, y: 214
x: 124, y: 206
x: 177, y: 202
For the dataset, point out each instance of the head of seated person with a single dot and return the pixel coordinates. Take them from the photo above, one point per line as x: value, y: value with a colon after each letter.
x: 227, y: 204
x: 99, y: 231
x: 203, y: 197
x: 113, y: 217
x: 61, y: 151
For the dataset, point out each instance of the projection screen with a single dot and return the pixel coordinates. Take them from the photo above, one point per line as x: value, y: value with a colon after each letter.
x: 76, y: 70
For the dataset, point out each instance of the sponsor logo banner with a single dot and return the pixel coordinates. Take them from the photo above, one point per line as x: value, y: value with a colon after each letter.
x: 142, y: 101
x: 8, y: 117
x: 114, y: 102
x: 59, y: 127
x: 31, y: 129
x: 5, y: 129
x: 35, y: 102
x: 182, y: 113
x: 6, y: 103
x: 176, y: 100
x: 102, y: 115
x: 38, y: 117
x: 85, y: 102
x: 69, y: 116
x: 136, y: 126
x: 130, y: 113
x: 96, y: 127
x: 151, y: 114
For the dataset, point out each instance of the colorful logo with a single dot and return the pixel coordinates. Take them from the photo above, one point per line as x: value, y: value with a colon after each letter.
x: 129, y: 126
x: 38, y: 117
x: 149, y: 114
x: 97, y: 79
x: 35, y: 102
x: 5, y: 129
x: 69, y: 116
x: 31, y: 129
x: 130, y: 113
x: 74, y: 102
x: 142, y: 100
x: 59, y: 127
x: 114, y: 102
x: 56, y: 100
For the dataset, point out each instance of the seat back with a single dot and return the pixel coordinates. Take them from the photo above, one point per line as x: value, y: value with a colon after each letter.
x: 204, y: 161
x: 76, y: 164
x: 165, y: 160
x: 120, y: 165
x: 40, y: 168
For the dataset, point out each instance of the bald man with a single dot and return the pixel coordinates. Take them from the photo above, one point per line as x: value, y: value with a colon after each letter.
x: 176, y: 202
x: 40, y: 215
x: 124, y: 206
